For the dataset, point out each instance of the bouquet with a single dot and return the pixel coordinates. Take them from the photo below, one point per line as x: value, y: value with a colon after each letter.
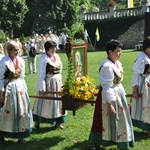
x: 80, y: 88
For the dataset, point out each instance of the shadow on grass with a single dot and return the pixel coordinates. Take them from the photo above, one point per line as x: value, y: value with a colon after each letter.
x: 49, y: 143
x: 140, y: 135
x: 85, y: 145
x: 43, y: 130
x: 40, y: 144
x: 79, y: 146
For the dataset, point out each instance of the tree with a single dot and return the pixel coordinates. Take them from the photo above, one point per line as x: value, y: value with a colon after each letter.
x: 40, y: 15
x: 55, y: 14
x: 12, y: 15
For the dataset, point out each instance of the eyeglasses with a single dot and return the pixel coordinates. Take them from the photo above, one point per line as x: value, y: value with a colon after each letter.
x: 16, y: 49
x: 52, y: 48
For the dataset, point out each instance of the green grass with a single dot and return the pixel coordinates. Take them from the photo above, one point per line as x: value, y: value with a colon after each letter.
x: 77, y: 128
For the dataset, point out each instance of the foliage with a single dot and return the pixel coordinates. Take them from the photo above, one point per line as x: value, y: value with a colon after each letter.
x: 12, y: 14
x: 76, y: 27
x: 68, y: 83
x: 75, y: 33
x: 3, y: 36
x: 40, y: 15
x: 35, y: 17
x: 23, y: 38
x: 56, y: 14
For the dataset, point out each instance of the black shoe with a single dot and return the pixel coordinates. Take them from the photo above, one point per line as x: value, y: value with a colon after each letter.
x: 1, y: 139
x: 37, y: 126
x: 22, y: 141
x: 96, y: 146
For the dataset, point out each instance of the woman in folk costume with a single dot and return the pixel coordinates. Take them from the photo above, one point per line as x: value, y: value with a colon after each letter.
x: 49, y: 79
x: 140, y: 102
x: 15, y: 115
x: 112, y: 124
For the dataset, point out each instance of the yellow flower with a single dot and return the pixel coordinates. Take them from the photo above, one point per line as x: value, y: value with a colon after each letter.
x: 80, y: 88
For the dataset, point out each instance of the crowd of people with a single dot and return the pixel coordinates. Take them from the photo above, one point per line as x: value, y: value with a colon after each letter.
x: 39, y: 41
x: 113, y: 119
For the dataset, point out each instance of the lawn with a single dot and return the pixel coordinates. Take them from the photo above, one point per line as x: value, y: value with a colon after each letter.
x: 77, y: 128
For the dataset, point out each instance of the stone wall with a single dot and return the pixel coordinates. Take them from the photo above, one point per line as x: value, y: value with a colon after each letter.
x: 129, y: 31
x: 134, y: 34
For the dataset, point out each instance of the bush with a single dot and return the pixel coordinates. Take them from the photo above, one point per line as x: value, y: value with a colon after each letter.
x: 3, y: 36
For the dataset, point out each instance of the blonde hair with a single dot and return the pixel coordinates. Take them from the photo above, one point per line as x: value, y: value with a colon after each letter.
x: 11, y: 45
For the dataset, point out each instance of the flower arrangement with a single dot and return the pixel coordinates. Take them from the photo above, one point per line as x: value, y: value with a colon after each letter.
x: 81, y: 87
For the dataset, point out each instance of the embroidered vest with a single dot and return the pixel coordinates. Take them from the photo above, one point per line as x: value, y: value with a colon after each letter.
x: 12, y: 75
x: 147, y: 69
x: 51, y: 69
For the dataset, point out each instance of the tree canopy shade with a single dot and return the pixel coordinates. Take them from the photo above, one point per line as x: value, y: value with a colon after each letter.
x: 27, y: 16
x: 55, y: 13
x: 12, y: 14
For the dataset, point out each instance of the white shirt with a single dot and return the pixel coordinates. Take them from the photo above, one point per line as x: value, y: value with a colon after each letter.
x: 44, y: 59
x: 1, y: 56
x: 138, y: 68
x: 6, y: 62
x: 106, y: 80
x: 28, y: 46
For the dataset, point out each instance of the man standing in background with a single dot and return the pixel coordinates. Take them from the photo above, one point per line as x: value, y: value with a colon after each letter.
x: 31, y: 60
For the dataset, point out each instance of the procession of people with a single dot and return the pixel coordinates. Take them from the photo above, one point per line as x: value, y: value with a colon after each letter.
x: 113, y: 121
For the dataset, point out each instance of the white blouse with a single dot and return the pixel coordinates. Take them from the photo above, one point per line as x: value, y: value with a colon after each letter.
x: 6, y: 62
x: 1, y: 56
x: 138, y: 68
x: 106, y: 79
x: 44, y: 59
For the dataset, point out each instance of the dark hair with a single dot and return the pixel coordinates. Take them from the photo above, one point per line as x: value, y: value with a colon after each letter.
x: 146, y: 43
x: 112, y: 45
x: 49, y: 44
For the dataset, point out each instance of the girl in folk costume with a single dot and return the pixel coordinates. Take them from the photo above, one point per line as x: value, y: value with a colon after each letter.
x: 140, y: 102
x: 111, y: 122
x: 49, y: 79
x: 15, y: 114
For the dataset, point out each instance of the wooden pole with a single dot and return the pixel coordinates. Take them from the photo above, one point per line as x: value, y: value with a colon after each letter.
x: 60, y: 98
x: 91, y: 43
x: 95, y: 43
x: 46, y: 97
x: 130, y: 95
x: 53, y: 92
